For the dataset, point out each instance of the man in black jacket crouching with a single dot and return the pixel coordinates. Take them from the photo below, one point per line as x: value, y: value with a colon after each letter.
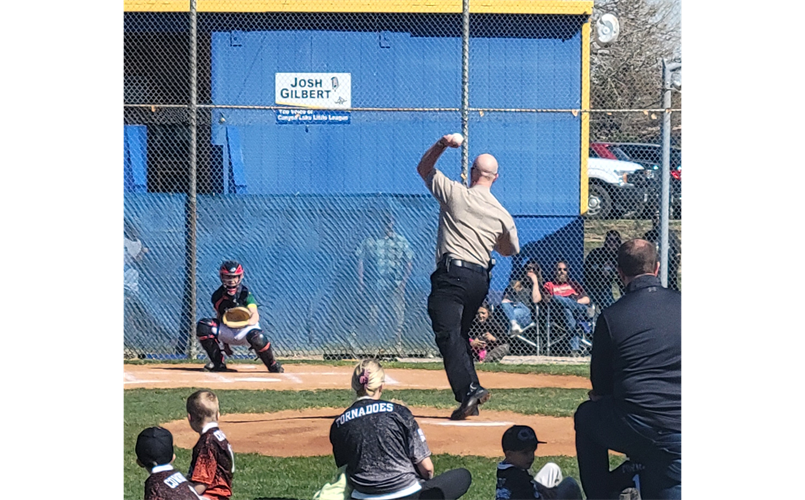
x: 636, y: 374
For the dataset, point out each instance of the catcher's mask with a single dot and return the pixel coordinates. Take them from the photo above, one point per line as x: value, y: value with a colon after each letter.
x: 231, y: 273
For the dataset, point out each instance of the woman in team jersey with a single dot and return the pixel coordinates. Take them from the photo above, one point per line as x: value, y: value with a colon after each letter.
x: 384, y: 449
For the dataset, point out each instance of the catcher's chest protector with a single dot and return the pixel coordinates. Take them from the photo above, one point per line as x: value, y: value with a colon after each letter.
x: 228, y: 302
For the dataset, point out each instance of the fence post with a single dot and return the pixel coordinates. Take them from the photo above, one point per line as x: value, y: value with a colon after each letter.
x: 189, y: 306
x: 465, y: 89
x: 667, y: 68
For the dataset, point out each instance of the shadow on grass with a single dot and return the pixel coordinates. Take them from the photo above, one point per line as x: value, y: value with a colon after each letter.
x: 197, y: 369
x: 320, y: 417
x: 200, y: 369
x: 275, y: 498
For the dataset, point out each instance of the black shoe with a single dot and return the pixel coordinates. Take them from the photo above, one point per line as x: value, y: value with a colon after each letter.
x: 473, y: 413
x: 469, y: 407
x: 458, y: 414
x: 212, y: 367
x: 276, y: 368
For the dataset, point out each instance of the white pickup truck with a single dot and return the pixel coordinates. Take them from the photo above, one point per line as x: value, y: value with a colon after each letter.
x: 617, y: 188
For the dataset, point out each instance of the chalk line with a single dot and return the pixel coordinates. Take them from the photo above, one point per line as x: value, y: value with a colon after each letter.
x: 467, y: 424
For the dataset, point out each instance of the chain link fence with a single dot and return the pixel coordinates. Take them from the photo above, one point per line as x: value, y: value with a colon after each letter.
x: 285, y: 135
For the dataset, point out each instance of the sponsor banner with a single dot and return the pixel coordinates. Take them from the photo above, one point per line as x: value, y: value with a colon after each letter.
x: 314, y: 90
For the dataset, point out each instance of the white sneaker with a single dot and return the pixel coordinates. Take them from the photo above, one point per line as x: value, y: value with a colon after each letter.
x: 515, y: 328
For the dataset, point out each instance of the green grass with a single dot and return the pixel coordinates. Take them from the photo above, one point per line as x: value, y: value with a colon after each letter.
x: 262, y: 477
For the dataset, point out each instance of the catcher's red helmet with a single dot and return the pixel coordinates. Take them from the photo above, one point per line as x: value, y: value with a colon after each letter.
x: 231, y: 273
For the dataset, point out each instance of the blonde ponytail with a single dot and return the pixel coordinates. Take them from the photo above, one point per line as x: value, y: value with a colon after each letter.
x: 367, y: 377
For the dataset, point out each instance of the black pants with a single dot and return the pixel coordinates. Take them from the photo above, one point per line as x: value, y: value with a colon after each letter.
x: 455, y: 296
x: 449, y: 485
x: 600, y: 427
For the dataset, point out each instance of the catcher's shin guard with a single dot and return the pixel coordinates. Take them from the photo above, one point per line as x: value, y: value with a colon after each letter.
x: 262, y: 347
x: 206, y: 330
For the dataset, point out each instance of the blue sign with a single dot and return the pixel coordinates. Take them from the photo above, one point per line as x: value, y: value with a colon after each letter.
x: 311, y: 116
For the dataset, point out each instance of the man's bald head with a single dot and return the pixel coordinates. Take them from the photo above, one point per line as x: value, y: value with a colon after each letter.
x: 484, y: 169
x: 486, y: 164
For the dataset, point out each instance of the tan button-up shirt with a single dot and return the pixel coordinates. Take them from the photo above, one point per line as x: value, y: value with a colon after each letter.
x: 472, y: 222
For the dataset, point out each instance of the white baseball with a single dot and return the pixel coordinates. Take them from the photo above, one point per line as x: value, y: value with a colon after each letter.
x: 458, y: 138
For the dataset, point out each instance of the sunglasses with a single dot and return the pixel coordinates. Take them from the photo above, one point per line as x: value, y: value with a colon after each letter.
x: 484, y: 173
x: 561, y: 269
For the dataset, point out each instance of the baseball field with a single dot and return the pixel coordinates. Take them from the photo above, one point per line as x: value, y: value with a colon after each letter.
x: 278, y: 424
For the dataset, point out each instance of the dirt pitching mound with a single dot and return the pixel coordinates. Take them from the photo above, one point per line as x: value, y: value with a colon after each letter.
x: 304, y: 433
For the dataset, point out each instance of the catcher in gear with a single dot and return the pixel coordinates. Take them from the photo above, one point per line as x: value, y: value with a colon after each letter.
x: 237, y: 322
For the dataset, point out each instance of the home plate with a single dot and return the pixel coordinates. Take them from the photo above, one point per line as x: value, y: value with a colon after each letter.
x: 468, y: 424
x: 258, y: 379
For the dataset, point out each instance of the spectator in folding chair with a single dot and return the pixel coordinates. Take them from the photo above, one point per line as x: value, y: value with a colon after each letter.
x: 522, y: 296
x: 569, y: 305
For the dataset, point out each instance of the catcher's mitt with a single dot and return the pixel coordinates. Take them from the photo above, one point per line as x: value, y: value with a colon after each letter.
x: 237, y: 317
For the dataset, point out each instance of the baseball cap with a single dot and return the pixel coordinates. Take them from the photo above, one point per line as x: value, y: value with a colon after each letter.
x: 519, y: 437
x: 154, y: 446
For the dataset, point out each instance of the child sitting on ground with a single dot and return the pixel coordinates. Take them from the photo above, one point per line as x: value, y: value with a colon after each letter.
x: 515, y: 482
x: 154, y: 451
x: 487, y: 338
x: 213, y: 462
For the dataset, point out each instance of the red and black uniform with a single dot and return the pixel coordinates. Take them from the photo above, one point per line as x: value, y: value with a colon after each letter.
x: 165, y: 483
x: 209, y: 330
x: 213, y: 463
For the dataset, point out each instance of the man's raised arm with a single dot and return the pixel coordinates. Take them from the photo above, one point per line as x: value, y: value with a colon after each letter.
x: 428, y: 161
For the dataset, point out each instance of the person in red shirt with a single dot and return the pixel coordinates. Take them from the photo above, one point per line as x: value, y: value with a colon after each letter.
x: 213, y: 461
x: 569, y: 302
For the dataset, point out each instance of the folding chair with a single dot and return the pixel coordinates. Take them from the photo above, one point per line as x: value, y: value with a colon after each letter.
x: 530, y: 334
x: 556, y: 333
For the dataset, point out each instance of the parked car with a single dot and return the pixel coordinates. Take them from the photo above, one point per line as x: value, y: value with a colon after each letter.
x: 616, y: 188
x: 650, y: 157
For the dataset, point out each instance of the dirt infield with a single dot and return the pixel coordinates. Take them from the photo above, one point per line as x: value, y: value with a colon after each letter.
x: 306, y: 433
x: 307, y: 377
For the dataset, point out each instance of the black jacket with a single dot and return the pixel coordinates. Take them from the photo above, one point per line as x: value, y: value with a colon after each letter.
x: 637, y: 353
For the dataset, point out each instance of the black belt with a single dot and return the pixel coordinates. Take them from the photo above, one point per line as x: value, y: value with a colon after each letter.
x: 446, y: 262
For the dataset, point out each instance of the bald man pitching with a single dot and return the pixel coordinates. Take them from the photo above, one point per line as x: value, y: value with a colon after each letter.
x: 472, y: 223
